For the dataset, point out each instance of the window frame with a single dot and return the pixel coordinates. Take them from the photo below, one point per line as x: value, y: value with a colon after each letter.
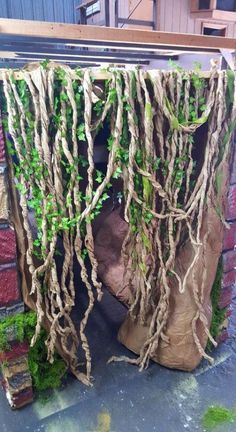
x: 93, y: 9
x: 214, y: 25
x: 212, y: 13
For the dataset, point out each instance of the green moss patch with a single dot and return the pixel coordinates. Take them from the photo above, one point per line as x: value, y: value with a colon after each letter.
x: 216, y: 416
x: 218, y: 315
x: 44, y: 374
x: 22, y: 325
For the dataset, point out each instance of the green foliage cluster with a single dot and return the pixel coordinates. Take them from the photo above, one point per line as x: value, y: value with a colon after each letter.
x: 216, y: 416
x: 197, y: 102
x: 22, y: 325
x: 44, y: 374
x: 58, y: 219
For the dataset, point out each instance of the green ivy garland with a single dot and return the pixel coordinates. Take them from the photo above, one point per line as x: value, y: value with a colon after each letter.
x: 54, y: 116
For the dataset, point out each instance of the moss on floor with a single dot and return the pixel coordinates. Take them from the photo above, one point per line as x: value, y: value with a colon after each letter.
x: 216, y: 416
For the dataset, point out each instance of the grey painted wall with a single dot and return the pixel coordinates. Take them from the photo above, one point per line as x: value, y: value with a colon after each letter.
x: 40, y: 10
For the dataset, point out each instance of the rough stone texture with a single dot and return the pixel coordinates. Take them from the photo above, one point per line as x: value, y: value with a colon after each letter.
x: 8, y: 245
x: 9, y: 290
x: 231, y: 210
x: 229, y: 260
x: 2, y: 143
x: 4, y: 212
x: 233, y: 167
x: 229, y: 247
x: 17, y: 350
x: 11, y: 310
x: 18, y: 382
x: 229, y: 278
x: 16, y: 366
x: 2, y: 154
x: 11, y: 334
x: 16, y: 377
x: 230, y: 237
x: 226, y: 297
x: 223, y: 336
x: 22, y: 398
x: 229, y: 312
x: 18, y: 389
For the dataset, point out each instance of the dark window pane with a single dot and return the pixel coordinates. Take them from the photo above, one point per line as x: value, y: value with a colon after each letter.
x: 227, y: 5
x: 204, y: 4
x: 213, y: 32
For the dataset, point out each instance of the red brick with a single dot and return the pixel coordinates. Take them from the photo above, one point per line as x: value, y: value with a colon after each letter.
x: 230, y: 237
x: 233, y: 168
x: 23, y: 398
x: 7, y: 245
x: 231, y: 208
x: 4, y: 205
x: 17, y: 350
x: 2, y: 153
x: 229, y: 312
x: 2, y: 145
x: 9, y: 290
x: 229, y: 278
x: 229, y: 260
x: 226, y: 297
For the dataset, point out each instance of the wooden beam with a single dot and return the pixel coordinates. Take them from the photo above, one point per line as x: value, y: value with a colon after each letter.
x: 104, y: 34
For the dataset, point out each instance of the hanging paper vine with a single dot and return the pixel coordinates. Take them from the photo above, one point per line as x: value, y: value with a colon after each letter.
x: 54, y: 115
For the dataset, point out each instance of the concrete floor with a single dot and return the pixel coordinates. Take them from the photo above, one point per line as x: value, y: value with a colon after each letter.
x: 124, y: 400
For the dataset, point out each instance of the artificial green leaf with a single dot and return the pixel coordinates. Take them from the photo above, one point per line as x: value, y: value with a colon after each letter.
x: 148, y: 111
x: 219, y: 181
x: 201, y: 120
x: 230, y: 88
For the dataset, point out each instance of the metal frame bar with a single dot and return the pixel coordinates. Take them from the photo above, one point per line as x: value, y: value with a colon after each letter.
x: 135, y: 22
x: 116, y: 13
x: 74, y: 53
x: 39, y: 40
x: 79, y: 59
x: 154, y: 13
x: 20, y: 63
x: 107, y: 12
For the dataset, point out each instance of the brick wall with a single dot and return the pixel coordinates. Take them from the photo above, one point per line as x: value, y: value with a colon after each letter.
x: 16, y: 378
x: 228, y: 292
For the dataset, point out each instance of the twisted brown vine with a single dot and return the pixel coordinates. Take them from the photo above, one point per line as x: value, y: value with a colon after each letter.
x: 164, y: 197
